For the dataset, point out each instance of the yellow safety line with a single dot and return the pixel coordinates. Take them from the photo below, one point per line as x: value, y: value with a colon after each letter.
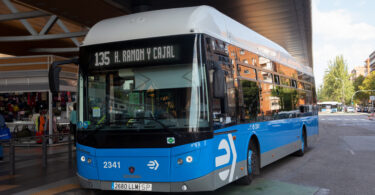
x: 5, y: 177
x: 7, y: 187
x: 57, y: 189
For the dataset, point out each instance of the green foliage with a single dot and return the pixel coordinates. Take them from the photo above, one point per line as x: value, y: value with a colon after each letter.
x: 288, y: 97
x: 368, y: 83
x: 336, y: 84
x: 359, y: 98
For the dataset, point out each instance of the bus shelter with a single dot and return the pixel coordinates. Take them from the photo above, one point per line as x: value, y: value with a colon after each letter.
x: 25, y: 94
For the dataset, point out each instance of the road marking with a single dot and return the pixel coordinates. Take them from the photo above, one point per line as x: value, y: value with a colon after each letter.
x: 7, y: 187
x: 58, y: 189
x: 351, y: 151
x: 322, y: 191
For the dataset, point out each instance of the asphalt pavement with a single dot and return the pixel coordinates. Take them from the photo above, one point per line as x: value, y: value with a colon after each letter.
x: 342, y: 161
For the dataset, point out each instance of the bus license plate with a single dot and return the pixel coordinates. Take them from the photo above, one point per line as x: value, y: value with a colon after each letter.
x: 131, y: 186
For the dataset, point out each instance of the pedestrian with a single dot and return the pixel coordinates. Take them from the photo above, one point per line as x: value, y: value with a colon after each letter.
x: 73, y: 121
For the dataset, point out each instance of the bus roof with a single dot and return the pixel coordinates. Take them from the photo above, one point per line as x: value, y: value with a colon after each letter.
x: 201, y: 19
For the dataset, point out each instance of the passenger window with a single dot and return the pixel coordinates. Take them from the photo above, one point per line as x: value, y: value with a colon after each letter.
x: 249, y: 101
x: 266, y: 77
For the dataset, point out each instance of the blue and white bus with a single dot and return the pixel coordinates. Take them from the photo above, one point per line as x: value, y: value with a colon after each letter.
x: 185, y: 99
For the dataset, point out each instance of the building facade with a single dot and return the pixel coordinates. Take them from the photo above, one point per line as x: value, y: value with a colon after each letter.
x: 372, y: 61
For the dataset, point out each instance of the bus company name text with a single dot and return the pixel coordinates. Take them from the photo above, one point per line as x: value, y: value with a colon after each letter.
x: 105, y: 58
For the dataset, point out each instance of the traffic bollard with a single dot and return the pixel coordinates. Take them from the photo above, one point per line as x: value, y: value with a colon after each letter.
x: 12, y: 158
x: 44, y: 150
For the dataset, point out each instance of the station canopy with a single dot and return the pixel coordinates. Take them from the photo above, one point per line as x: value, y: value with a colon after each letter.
x: 34, y: 27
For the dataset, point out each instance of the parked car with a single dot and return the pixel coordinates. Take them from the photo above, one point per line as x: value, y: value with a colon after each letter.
x: 350, y: 109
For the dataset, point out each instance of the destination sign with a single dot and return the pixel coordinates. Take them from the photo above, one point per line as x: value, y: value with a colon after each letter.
x: 170, y: 50
x: 136, y: 55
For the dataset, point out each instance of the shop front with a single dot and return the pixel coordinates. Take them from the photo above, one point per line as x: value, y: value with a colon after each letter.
x: 25, y: 100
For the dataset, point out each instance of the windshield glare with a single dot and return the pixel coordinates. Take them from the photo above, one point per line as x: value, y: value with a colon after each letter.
x: 161, y: 97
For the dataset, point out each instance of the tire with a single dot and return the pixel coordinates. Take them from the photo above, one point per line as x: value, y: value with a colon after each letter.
x: 302, y: 151
x: 252, y: 164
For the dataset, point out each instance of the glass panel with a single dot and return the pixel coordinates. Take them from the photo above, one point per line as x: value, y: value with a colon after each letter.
x: 80, y: 97
x: 301, y: 85
x: 288, y: 102
x: 294, y: 83
x: 145, y: 98
x: 285, y: 70
x: 250, y: 105
x: 307, y: 87
x: 267, y: 100
x: 276, y: 79
x: 247, y: 72
x: 266, y: 76
x: 266, y: 64
x: 285, y: 81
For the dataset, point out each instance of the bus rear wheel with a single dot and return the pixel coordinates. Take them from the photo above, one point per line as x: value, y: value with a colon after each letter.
x: 252, y: 164
x: 301, y: 152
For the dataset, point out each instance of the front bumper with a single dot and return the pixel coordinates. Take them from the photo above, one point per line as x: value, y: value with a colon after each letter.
x: 205, y: 183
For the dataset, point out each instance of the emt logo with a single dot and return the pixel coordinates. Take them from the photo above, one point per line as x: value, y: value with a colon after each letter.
x: 225, y: 158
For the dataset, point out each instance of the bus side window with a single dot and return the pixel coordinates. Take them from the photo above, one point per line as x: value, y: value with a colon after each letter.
x: 224, y: 109
x: 249, y: 100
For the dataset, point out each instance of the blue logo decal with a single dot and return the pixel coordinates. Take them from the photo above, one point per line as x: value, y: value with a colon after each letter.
x: 80, y: 124
x: 85, y: 124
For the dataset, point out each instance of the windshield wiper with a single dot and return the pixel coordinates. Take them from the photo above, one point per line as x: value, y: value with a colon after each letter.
x: 165, y: 127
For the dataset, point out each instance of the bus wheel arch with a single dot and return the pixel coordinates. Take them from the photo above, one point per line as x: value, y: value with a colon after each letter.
x: 255, y: 141
x: 252, y: 161
x: 304, y: 143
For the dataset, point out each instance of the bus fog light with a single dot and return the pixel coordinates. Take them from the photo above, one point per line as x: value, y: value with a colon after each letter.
x: 189, y: 159
x: 89, y: 160
x: 180, y: 161
x: 183, y: 187
x: 83, y: 158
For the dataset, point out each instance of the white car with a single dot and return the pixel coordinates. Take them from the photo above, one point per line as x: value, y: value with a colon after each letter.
x: 350, y: 109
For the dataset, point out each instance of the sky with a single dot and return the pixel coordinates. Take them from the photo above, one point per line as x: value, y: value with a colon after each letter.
x: 342, y: 27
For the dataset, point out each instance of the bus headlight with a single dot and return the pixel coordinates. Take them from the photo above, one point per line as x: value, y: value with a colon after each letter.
x: 189, y: 159
x: 83, y: 158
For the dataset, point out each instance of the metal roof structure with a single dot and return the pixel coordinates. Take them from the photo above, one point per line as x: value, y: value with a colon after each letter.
x: 285, y: 22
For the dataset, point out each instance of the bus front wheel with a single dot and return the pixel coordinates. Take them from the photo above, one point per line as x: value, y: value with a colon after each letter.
x: 252, y: 164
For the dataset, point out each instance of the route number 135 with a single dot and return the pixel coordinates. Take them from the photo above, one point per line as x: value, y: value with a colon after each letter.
x: 102, y: 58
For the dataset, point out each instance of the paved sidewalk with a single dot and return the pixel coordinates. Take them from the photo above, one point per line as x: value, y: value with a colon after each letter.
x: 29, y: 170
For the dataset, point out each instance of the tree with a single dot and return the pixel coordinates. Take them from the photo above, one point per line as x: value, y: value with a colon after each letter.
x: 321, y: 96
x: 336, y: 84
x: 360, y: 98
x: 369, y: 83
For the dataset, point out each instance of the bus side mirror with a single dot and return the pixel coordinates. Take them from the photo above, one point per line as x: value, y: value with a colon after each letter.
x: 54, y: 74
x: 219, y: 84
x: 54, y: 78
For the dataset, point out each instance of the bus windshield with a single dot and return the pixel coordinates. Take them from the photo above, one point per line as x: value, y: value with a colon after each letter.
x: 169, y: 97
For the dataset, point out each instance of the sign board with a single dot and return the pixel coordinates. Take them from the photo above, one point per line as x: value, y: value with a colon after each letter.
x: 372, y: 98
x: 168, y: 50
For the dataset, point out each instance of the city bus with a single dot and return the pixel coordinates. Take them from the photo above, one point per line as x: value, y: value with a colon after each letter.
x: 184, y: 100
x: 329, y: 106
